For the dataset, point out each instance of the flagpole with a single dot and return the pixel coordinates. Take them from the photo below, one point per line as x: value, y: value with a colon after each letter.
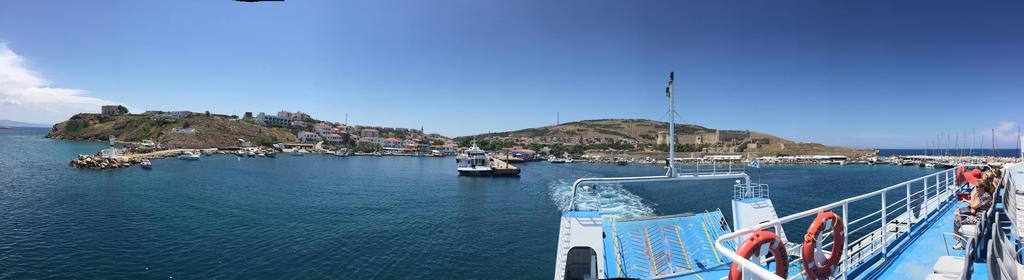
x: 671, y: 125
x: 759, y: 173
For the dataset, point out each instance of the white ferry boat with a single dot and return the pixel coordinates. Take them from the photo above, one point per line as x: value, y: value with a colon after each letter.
x: 903, y: 234
x: 474, y: 162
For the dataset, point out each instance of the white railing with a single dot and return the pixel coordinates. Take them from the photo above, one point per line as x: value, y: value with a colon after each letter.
x: 682, y: 173
x: 871, y: 233
x: 707, y: 166
x: 751, y: 190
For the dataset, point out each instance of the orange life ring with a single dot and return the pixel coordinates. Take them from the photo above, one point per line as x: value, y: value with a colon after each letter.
x: 752, y: 247
x: 814, y: 271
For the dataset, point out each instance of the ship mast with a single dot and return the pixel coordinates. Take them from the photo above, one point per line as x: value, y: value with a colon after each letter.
x: 671, y: 125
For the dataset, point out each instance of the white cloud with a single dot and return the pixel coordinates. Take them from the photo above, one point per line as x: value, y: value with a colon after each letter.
x: 26, y: 96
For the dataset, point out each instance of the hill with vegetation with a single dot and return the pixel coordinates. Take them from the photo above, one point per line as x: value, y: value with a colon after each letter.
x: 642, y: 136
x: 209, y: 130
x: 641, y: 130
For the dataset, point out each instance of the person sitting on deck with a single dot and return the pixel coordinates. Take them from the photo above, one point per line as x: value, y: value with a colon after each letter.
x: 997, y: 178
x: 980, y: 201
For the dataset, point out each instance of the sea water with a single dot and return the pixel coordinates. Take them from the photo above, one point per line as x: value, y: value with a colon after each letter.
x: 317, y: 217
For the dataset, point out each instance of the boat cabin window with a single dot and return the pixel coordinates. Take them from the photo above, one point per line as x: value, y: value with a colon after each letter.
x: 581, y: 264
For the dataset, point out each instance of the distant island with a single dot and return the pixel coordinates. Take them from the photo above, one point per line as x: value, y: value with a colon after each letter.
x: 641, y: 136
x: 202, y: 130
x: 635, y: 138
x: 10, y: 123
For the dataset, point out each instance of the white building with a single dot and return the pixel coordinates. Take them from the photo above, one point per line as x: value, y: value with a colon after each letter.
x: 323, y: 128
x: 178, y: 130
x: 177, y: 114
x: 292, y: 116
x: 334, y: 138
x: 391, y: 143
x: 308, y: 137
x: 369, y: 132
x: 265, y: 120
x: 449, y: 149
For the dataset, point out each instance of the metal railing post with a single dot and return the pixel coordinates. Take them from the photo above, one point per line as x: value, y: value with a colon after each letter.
x: 846, y: 245
x: 885, y: 229
x: 910, y: 215
x: 924, y: 203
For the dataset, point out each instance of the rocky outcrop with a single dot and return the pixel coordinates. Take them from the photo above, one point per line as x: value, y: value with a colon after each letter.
x: 99, y: 162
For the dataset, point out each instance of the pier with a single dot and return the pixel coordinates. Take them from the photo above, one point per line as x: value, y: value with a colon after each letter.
x: 501, y: 167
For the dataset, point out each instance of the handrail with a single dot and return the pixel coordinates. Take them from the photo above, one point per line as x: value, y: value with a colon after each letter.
x: 749, y: 266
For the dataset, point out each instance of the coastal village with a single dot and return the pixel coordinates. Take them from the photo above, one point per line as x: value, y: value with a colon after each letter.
x: 137, y: 138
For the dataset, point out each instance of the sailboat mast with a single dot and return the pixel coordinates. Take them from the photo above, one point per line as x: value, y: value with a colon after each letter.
x: 671, y: 125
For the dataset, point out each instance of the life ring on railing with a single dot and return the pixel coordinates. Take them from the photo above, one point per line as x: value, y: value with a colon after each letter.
x: 811, y: 266
x: 752, y: 247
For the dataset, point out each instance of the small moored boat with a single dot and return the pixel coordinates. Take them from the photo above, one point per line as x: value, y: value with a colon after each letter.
x: 189, y: 155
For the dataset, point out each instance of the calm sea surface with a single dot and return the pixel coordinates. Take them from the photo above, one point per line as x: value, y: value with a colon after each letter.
x: 329, y: 217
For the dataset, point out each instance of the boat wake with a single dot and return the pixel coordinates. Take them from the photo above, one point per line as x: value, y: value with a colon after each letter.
x: 611, y: 199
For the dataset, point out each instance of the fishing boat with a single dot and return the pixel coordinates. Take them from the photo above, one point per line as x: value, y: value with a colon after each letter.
x: 189, y: 155
x: 146, y: 164
x: 897, y: 232
x: 271, y: 154
x: 474, y: 162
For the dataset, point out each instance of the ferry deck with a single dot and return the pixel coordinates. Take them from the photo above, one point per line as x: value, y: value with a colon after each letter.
x: 906, y: 235
x: 919, y: 245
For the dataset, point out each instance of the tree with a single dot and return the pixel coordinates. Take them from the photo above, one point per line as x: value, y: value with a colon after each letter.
x: 121, y: 110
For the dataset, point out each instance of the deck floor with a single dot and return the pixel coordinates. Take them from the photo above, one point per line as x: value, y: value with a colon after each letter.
x: 917, y: 259
x: 681, y: 247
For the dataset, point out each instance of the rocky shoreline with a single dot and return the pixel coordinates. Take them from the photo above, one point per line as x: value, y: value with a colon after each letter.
x: 100, y: 161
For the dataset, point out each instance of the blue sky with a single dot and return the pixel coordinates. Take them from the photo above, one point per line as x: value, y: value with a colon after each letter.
x: 865, y: 73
